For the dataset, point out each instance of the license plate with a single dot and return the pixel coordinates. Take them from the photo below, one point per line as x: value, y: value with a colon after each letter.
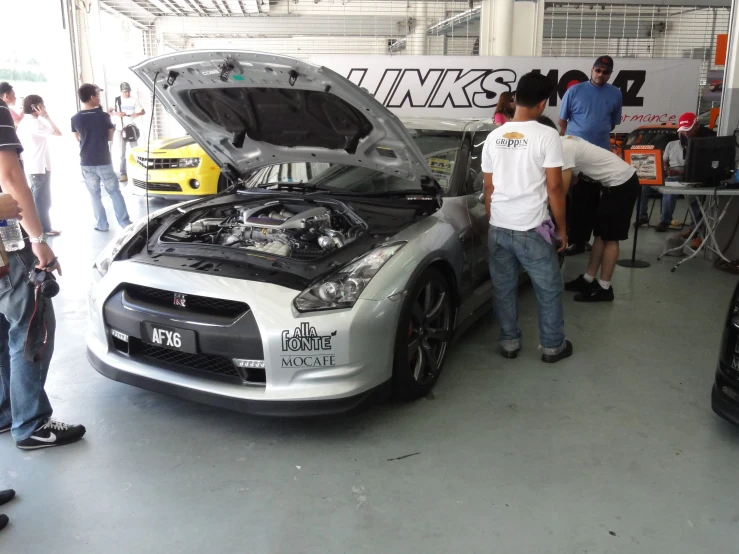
x: 183, y: 340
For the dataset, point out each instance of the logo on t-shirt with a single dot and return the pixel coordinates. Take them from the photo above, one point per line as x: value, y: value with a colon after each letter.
x: 512, y: 140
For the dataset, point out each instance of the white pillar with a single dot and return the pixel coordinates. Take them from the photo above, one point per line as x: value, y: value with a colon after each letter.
x: 417, y: 38
x: 729, y: 118
x: 502, y: 27
x: 509, y: 28
x: 528, y: 26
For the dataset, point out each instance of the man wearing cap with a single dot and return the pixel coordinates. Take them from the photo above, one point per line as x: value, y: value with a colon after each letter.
x: 674, y: 165
x: 126, y: 109
x: 590, y: 110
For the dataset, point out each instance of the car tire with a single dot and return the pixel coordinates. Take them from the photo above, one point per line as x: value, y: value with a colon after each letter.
x: 423, y: 336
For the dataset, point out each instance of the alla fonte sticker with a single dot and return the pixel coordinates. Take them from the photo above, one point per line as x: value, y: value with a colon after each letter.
x: 304, y: 347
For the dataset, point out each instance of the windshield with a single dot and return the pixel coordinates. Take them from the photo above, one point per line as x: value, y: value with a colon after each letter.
x: 439, y: 149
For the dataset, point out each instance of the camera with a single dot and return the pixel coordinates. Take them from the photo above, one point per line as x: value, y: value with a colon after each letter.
x: 44, y: 282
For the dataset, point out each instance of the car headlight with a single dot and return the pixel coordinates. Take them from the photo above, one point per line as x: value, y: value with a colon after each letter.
x: 106, y: 257
x: 343, y: 288
x: 188, y: 162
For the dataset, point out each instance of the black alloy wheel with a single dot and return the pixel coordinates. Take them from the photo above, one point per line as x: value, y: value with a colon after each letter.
x: 424, y: 333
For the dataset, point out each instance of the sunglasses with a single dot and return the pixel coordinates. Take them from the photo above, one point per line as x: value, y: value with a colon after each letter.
x: 602, y: 71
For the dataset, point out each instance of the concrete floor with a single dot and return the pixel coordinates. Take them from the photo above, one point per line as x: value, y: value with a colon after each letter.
x: 613, y: 450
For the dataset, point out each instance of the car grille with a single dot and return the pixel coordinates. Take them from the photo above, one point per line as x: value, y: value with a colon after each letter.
x: 209, y: 363
x: 157, y: 187
x: 158, y: 163
x: 196, y: 304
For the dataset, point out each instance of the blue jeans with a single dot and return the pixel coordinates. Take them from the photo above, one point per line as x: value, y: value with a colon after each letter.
x: 509, y: 251
x: 669, y: 201
x: 23, y: 400
x: 41, y: 187
x: 94, y: 175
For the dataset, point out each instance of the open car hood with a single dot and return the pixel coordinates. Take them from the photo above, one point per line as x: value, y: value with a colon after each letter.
x: 251, y: 109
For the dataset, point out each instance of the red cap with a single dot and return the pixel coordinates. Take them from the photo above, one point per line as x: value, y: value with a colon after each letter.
x: 687, y: 122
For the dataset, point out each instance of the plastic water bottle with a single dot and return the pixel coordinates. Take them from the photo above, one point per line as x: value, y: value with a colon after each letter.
x: 11, y: 235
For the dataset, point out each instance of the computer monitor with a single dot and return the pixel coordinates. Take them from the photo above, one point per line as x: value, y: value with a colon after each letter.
x: 710, y: 160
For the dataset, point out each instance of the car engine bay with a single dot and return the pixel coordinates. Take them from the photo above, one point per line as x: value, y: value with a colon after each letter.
x: 299, y: 230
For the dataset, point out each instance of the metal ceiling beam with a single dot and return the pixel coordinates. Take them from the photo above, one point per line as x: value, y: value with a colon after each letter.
x: 194, y: 8
x: 172, y: 5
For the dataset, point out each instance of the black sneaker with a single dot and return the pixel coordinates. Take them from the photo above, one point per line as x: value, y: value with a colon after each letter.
x: 595, y: 293
x: 5, y: 429
x: 510, y: 354
x: 52, y: 433
x: 662, y: 227
x: 554, y: 358
x: 577, y: 285
x: 3, y: 521
x: 640, y: 222
x: 6, y: 496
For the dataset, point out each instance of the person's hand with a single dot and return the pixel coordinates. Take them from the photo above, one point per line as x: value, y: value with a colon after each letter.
x: 563, y: 240
x: 110, y: 111
x: 121, y: 114
x: 41, y: 111
x: 46, y: 259
x: 9, y: 208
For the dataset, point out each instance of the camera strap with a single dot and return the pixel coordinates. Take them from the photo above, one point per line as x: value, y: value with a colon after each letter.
x: 37, y: 335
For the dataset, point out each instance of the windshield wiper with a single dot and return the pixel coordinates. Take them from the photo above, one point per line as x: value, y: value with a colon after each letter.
x: 299, y: 186
x: 382, y: 194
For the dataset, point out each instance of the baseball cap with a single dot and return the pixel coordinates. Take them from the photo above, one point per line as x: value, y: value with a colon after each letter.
x: 686, y: 122
x: 604, y: 61
x: 125, y: 87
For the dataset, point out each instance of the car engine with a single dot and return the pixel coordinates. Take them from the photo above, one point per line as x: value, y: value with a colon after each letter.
x: 301, y: 231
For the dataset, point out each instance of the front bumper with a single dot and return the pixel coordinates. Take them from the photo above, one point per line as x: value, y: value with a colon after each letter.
x: 354, y: 364
x: 177, y: 180
x: 230, y: 400
x: 725, y: 394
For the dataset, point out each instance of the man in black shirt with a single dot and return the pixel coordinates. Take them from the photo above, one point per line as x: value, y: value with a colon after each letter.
x: 25, y: 409
x: 94, y: 130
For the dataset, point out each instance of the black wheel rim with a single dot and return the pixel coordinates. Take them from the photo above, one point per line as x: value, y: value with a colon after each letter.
x: 429, y: 332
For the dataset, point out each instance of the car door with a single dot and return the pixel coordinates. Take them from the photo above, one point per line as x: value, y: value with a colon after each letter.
x: 473, y: 189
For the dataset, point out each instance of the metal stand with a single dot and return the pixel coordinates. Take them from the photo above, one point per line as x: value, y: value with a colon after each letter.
x: 633, y: 262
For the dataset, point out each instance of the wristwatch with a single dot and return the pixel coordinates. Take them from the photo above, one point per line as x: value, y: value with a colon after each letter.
x: 40, y: 239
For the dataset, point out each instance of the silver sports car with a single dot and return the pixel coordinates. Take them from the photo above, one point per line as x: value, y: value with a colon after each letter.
x: 339, y: 266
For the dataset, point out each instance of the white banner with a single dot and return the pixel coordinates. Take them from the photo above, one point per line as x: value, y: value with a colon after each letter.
x: 654, y: 91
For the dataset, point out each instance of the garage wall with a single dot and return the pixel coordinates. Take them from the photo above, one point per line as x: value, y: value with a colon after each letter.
x: 644, y: 31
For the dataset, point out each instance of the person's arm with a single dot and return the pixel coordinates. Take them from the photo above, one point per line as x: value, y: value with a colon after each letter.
x: 487, y: 173
x: 566, y: 179
x: 565, y: 113
x: 553, y: 163
x: 77, y: 136
x: 557, y: 193
x: 13, y: 181
x: 54, y: 131
x: 138, y: 110
x: 616, y: 115
x: 111, y: 130
x: 487, y: 179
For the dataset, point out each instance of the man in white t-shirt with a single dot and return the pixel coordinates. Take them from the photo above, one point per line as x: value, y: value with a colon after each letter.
x: 612, y: 212
x: 125, y: 111
x: 522, y: 166
x: 673, y: 160
x: 34, y: 131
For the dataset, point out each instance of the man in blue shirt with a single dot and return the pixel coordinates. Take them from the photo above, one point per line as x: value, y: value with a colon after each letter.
x: 590, y: 110
x: 94, y: 130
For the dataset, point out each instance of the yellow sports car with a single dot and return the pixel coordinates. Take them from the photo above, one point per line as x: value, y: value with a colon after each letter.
x: 178, y: 169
